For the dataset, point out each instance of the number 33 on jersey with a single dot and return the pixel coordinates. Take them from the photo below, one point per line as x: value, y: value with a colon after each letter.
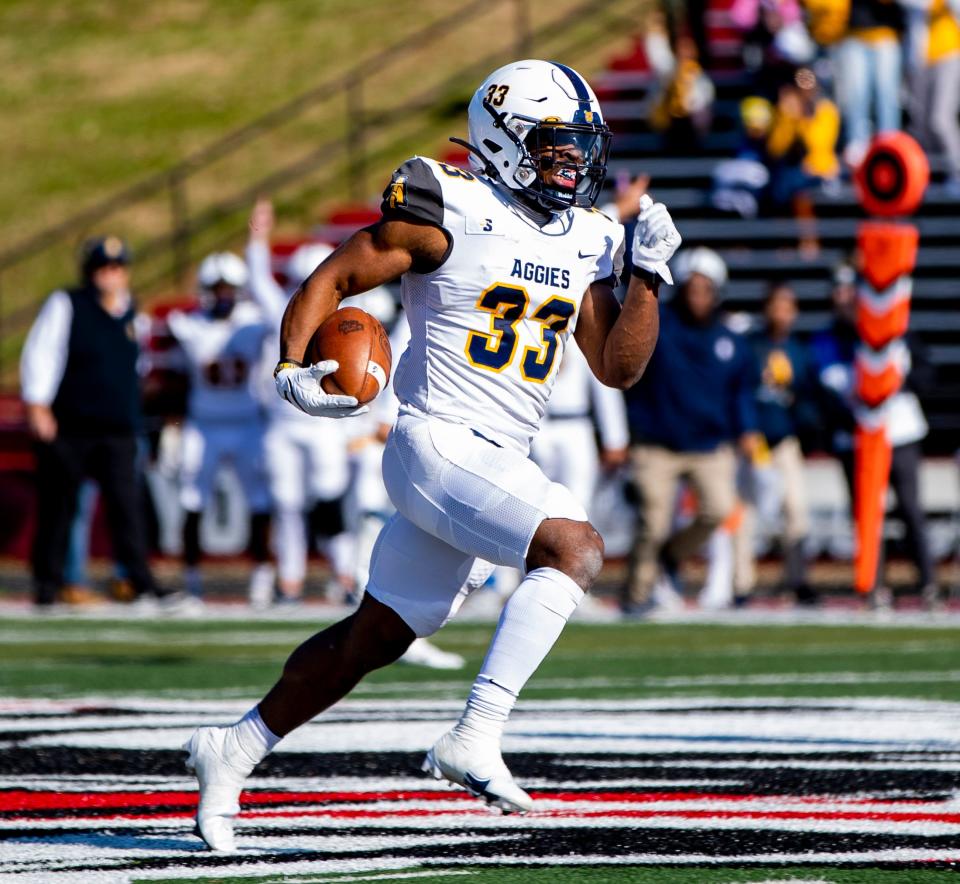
x: 489, y: 326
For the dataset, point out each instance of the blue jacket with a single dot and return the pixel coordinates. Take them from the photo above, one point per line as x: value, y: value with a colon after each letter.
x: 786, y: 392
x: 698, y: 390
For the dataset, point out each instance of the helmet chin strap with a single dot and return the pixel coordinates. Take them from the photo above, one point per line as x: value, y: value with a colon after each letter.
x: 539, y: 212
x: 489, y: 169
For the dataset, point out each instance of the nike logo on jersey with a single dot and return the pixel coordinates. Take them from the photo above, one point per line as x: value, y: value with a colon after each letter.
x: 555, y: 277
x: 581, y: 255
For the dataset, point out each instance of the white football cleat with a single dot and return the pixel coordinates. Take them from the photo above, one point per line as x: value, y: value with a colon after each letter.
x: 424, y: 653
x: 220, y: 786
x: 479, y: 769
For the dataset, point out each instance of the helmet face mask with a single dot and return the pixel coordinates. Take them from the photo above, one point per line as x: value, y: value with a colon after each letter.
x: 564, y: 164
x: 538, y: 127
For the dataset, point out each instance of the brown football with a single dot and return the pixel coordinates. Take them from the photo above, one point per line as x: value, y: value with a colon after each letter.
x: 360, y: 344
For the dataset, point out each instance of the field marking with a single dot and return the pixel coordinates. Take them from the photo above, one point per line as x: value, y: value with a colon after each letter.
x: 800, y: 678
x: 318, y: 616
x: 92, y: 703
x: 81, y: 833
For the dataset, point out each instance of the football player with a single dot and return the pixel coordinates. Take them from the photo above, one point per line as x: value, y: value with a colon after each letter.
x: 499, y: 266
x: 306, y: 458
x: 221, y: 343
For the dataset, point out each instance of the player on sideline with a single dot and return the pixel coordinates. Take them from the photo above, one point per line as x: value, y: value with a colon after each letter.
x: 498, y: 266
x: 222, y: 343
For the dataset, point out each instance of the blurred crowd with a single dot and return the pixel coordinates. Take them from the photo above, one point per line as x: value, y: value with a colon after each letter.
x: 825, y: 77
x: 704, y: 456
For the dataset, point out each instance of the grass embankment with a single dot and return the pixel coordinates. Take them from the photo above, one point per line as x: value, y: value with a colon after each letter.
x: 99, y: 95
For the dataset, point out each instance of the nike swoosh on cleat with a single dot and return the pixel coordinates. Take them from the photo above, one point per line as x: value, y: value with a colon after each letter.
x: 478, y: 787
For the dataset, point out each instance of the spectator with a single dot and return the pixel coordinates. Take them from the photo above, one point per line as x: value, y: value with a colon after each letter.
x: 775, y: 37
x: 784, y: 402
x: 222, y: 344
x: 687, y: 16
x: 867, y: 67
x: 933, y: 61
x: 802, y: 147
x: 827, y: 20
x: 682, y: 108
x: 740, y: 185
x: 693, y: 403
x: 833, y: 351
x: 79, y: 381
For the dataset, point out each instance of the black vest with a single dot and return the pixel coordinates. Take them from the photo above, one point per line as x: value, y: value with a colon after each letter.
x: 100, y: 390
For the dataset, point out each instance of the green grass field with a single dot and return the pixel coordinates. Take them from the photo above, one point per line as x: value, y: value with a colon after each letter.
x: 68, y: 658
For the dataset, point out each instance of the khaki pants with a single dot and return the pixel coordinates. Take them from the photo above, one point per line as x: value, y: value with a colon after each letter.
x: 787, y: 459
x: 656, y: 472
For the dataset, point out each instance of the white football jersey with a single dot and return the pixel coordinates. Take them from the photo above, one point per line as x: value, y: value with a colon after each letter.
x: 222, y: 361
x: 489, y: 326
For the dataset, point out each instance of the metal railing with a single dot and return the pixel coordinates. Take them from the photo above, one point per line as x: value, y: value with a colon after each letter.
x: 370, y: 131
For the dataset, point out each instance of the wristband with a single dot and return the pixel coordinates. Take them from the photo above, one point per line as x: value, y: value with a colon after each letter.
x: 646, y: 276
x: 286, y: 363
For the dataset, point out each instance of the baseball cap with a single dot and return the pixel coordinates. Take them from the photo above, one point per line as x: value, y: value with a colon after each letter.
x: 101, y: 251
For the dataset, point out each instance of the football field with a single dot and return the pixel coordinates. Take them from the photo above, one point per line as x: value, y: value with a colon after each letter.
x: 669, y: 752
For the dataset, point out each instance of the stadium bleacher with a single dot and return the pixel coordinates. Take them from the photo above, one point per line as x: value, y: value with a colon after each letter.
x: 757, y: 250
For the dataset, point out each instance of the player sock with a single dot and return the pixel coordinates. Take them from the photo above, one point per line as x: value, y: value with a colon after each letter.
x: 530, y: 623
x: 253, y: 738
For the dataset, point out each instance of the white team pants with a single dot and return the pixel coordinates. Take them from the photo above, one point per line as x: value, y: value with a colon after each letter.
x: 205, y: 445
x: 566, y: 450
x: 459, y: 497
x: 306, y: 462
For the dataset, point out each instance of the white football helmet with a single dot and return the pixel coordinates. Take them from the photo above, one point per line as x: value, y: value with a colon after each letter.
x: 305, y: 260
x: 537, y: 126
x: 222, y: 267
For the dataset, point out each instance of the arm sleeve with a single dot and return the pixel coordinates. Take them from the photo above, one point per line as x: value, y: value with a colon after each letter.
x: 264, y: 289
x: 413, y: 194
x: 44, y: 357
x: 610, y: 410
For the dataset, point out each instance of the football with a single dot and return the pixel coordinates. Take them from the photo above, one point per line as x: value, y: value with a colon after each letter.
x: 357, y: 341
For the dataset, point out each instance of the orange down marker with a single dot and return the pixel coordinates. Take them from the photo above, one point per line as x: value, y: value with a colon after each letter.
x: 890, y: 182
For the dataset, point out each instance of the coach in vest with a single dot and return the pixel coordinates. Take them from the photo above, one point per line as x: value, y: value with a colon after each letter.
x: 79, y: 382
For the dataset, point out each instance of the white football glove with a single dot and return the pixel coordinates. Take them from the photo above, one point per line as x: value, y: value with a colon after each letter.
x: 301, y: 387
x: 655, y: 239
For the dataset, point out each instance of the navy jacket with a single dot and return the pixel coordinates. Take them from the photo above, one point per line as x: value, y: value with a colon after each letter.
x: 698, y: 390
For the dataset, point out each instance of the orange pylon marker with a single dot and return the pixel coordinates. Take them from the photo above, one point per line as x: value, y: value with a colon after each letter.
x: 890, y: 182
x: 872, y: 454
